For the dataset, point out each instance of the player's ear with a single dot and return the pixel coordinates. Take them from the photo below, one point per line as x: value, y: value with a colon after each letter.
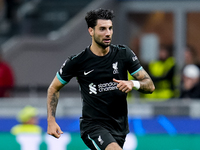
x: 91, y: 31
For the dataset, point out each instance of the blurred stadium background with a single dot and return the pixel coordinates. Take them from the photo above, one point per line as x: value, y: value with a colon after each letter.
x: 45, y: 32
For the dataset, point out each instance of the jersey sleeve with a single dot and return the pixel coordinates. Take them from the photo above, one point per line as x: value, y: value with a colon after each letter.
x: 133, y: 64
x: 67, y: 71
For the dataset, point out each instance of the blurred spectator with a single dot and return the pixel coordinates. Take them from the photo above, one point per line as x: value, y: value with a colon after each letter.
x: 28, y: 133
x: 28, y: 121
x: 10, y: 20
x: 1, y: 9
x: 191, y: 85
x: 162, y: 72
x: 191, y: 56
x: 6, y: 78
x: 11, y: 9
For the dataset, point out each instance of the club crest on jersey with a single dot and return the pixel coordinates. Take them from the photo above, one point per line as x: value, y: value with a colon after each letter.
x: 115, y: 67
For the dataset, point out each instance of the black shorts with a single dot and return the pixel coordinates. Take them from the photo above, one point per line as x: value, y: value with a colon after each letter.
x: 100, y: 138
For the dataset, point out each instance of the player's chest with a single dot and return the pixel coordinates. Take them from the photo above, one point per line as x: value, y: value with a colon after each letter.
x: 101, y: 70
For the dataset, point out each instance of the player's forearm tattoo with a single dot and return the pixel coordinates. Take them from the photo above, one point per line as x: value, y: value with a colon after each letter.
x: 146, y: 84
x: 53, y: 104
x: 141, y: 75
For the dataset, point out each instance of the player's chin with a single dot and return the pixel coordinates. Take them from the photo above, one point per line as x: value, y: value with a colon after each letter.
x: 107, y: 44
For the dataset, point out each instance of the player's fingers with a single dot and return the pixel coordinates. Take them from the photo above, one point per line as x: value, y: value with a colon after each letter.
x: 120, y: 87
x: 124, y: 89
x: 128, y: 90
x: 60, y: 131
x: 56, y: 135
x: 117, y: 81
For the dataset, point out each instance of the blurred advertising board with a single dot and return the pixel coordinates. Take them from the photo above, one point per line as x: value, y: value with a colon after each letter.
x: 160, y: 132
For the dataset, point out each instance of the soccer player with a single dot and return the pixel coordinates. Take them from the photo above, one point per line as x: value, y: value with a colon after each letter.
x: 101, y: 71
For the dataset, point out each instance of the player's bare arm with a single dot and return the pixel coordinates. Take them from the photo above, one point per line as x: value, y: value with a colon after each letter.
x: 52, y: 101
x: 146, y: 84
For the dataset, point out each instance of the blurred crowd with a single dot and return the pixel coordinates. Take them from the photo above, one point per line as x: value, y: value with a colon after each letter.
x: 7, y: 80
x: 13, y: 14
x: 8, y: 15
x: 170, y: 81
x: 190, y: 75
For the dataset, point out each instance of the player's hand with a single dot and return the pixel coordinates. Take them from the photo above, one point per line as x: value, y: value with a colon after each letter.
x: 124, y: 86
x: 54, y: 129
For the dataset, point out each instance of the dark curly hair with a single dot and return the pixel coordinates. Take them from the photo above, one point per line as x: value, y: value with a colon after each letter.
x: 93, y: 15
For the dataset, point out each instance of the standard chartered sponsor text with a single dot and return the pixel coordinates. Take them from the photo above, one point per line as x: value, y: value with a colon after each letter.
x: 107, y: 86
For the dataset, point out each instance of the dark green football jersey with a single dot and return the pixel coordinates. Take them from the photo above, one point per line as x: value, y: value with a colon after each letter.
x: 103, y: 104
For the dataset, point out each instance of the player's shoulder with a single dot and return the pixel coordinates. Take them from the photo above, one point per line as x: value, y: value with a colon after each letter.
x: 124, y: 50
x: 121, y: 48
x: 77, y: 56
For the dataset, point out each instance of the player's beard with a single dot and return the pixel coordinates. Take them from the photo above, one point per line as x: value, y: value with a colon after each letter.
x: 101, y: 43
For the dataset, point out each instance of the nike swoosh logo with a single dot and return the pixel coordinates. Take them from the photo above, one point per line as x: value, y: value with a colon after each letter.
x: 86, y: 73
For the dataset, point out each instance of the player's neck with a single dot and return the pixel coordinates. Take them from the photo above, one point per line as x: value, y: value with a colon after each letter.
x: 98, y: 50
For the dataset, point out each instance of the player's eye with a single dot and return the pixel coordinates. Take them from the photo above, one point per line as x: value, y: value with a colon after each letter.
x: 102, y: 28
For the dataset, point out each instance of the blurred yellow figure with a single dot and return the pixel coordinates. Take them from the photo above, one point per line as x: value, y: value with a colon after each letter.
x: 162, y: 72
x: 28, y: 133
x: 28, y: 119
